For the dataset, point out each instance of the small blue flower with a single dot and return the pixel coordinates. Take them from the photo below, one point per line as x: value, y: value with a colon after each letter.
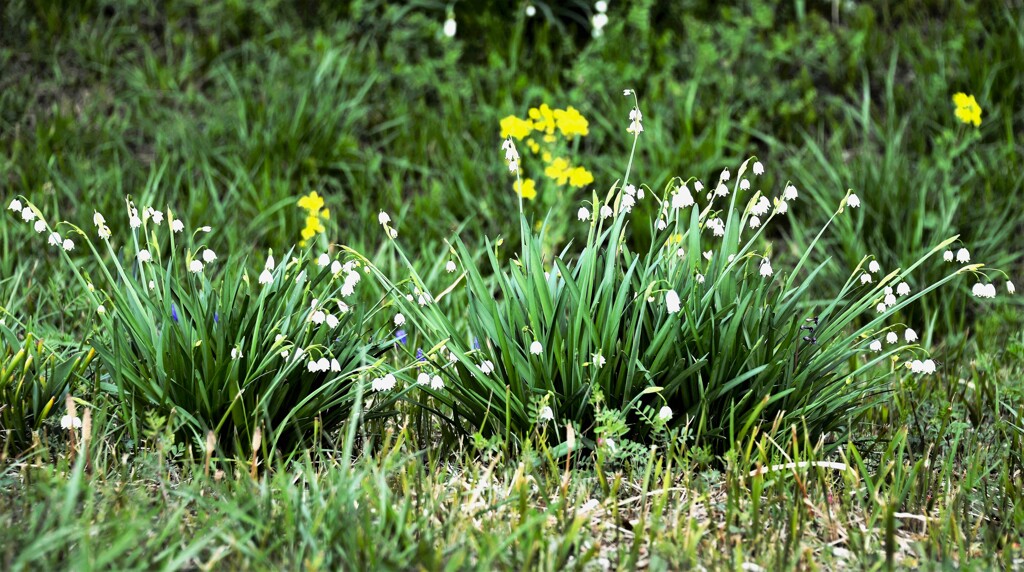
x: 216, y: 317
x: 174, y: 312
x: 419, y: 355
x: 402, y: 337
x: 476, y: 343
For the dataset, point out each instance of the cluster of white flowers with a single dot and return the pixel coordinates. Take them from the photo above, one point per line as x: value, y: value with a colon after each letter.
x: 716, y: 225
x: 926, y: 367
x: 324, y: 365
x: 511, y: 155
x: 600, y: 18
x: 435, y: 382
x: 962, y: 256
x: 266, y: 277
x: 386, y: 383
x: 984, y: 290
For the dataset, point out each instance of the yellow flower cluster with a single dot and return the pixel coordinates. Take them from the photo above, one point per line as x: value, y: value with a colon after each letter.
x: 315, y: 215
x: 967, y: 109
x: 546, y: 122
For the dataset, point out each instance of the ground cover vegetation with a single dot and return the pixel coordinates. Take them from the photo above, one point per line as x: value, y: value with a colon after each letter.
x: 369, y: 285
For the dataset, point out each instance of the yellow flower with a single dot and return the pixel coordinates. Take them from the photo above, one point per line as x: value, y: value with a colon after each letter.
x: 546, y: 157
x: 558, y: 171
x: 580, y: 177
x: 543, y: 118
x: 512, y: 126
x: 675, y: 239
x: 312, y: 202
x: 967, y: 109
x: 570, y: 122
x: 529, y: 189
x: 533, y: 146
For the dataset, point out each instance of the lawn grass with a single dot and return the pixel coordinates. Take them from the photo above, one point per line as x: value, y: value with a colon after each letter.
x: 227, y: 113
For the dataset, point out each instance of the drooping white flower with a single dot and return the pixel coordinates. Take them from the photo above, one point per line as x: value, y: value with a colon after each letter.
x: 910, y: 335
x: 661, y: 224
x: 790, y: 193
x: 27, y: 214
x: 436, y: 383
x: 902, y: 289
x: 487, y: 366
x: 15, y: 206
x: 873, y: 266
x: 721, y: 190
x: 682, y: 198
x: 536, y: 348
x: 531, y: 11
x: 343, y: 307
x: 758, y: 168
x: 984, y: 290
x: 209, y: 255
x: 101, y: 310
x: 725, y: 176
x: 598, y: 359
x: 627, y: 203
x: 766, y: 268
x: 385, y: 383
x: 97, y: 219
x: 104, y: 232
x: 865, y: 278
x: 335, y: 267
x: 890, y: 300
x: 545, y: 414
x: 144, y: 256
x: 383, y: 218
x: 917, y: 366
x: 880, y: 308
x: 680, y: 252
x: 707, y: 255
x: 236, y: 353
x: 450, y: 266
x: 177, y: 226
x: 754, y: 222
x: 948, y: 256
x: 853, y: 201
x: 783, y: 207
x: 335, y: 365
x: 332, y: 321
x: 875, y: 345
x: 40, y: 225
x: 323, y: 260
x: 700, y: 279
x: 629, y: 189
x: 761, y: 207
x: 672, y: 304
x: 195, y: 267
x: 54, y: 239
x: 323, y: 364
x: 205, y: 229
x: 318, y: 317
x: 606, y: 211
x: 511, y: 154
x: 583, y: 213
x: 399, y: 319
x: 134, y: 221
x: 665, y: 413
x: 928, y: 366
x: 450, y: 27
x: 393, y: 232
x: 423, y: 378
x: 744, y: 184
x: 963, y: 256
x: 717, y: 226
x: 266, y: 277
x: 1010, y: 287
x: 635, y: 119
x: 891, y: 338
x: 698, y: 186
x: 158, y: 217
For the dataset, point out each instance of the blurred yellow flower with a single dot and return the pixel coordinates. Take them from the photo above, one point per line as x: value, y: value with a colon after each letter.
x: 529, y: 189
x: 571, y: 123
x: 312, y: 202
x: 580, y: 177
x: 967, y: 109
x: 543, y: 118
x: 315, y: 213
x: 512, y: 126
x: 558, y: 171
